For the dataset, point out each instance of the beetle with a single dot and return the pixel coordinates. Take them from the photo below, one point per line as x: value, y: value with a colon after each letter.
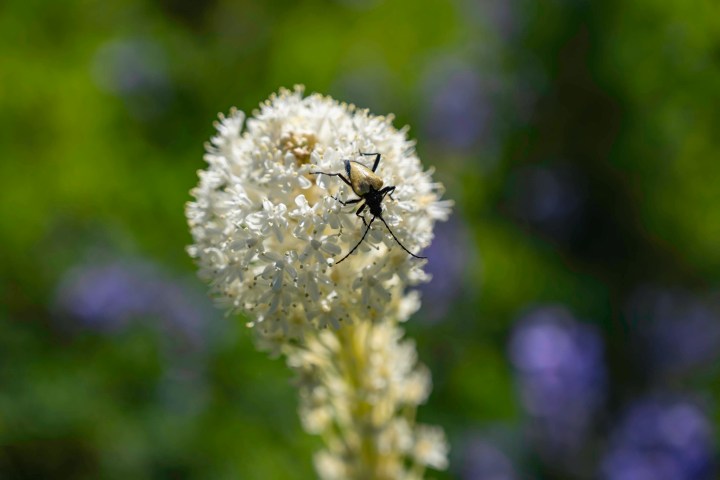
x: 368, y: 186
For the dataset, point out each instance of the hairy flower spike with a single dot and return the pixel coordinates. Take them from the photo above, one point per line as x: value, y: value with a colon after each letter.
x: 268, y: 236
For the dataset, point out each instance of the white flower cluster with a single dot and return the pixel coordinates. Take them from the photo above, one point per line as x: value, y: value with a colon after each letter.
x: 268, y: 237
x: 364, y: 410
x: 268, y: 233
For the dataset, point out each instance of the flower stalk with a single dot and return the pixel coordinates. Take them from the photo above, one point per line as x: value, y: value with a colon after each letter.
x: 360, y: 386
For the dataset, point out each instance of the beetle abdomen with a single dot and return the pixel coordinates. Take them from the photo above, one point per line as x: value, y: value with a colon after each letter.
x: 362, y: 179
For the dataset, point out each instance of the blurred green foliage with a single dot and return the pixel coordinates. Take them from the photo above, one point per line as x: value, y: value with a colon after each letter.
x: 104, y: 109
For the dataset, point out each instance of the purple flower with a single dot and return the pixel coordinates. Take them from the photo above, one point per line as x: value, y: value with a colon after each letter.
x: 136, y: 71
x: 561, y: 376
x: 460, y: 113
x: 103, y: 297
x: 679, y: 331
x: 449, y: 255
x: 661, y: 439
x: 107, y: 296
x: 481, y: 460
x: 549, y: 199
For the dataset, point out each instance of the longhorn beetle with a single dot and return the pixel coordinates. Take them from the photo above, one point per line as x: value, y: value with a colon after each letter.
x: 369, y: 189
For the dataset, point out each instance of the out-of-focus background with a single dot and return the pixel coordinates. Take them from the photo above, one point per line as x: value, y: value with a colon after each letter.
x: 573, y: 323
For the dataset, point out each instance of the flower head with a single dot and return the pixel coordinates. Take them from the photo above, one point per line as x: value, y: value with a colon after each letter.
x: 267, y: 233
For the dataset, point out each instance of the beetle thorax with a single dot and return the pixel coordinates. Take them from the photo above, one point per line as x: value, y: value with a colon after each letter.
x: 373, y: 199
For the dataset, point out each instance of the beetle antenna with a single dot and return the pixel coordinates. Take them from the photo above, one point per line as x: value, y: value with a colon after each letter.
x: 358, y: 244
x: 396, y: 239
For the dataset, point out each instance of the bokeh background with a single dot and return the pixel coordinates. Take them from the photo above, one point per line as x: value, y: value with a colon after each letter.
x: 573, y: 323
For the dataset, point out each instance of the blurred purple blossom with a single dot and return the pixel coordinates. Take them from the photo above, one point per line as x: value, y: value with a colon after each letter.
x: 107, y: 296
x: 460, y: 112
x: 481, y: 460
x: 679, y: 331
x: 661, y: 439
x: 561, y: 377
x: 449, y: 256
x: 136, y: 71
x: 549, y: 199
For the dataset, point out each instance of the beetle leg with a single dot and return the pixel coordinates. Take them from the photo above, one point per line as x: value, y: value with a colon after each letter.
x: 377, y: 159
x: 388, y: 191
x: 359, y: 213
x: 349, y: 202
x: 333, y: 175
x: 358, y: 244
x: 396, y: 239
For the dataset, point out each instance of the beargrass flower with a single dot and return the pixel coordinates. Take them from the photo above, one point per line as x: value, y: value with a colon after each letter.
x: 268, y: 234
